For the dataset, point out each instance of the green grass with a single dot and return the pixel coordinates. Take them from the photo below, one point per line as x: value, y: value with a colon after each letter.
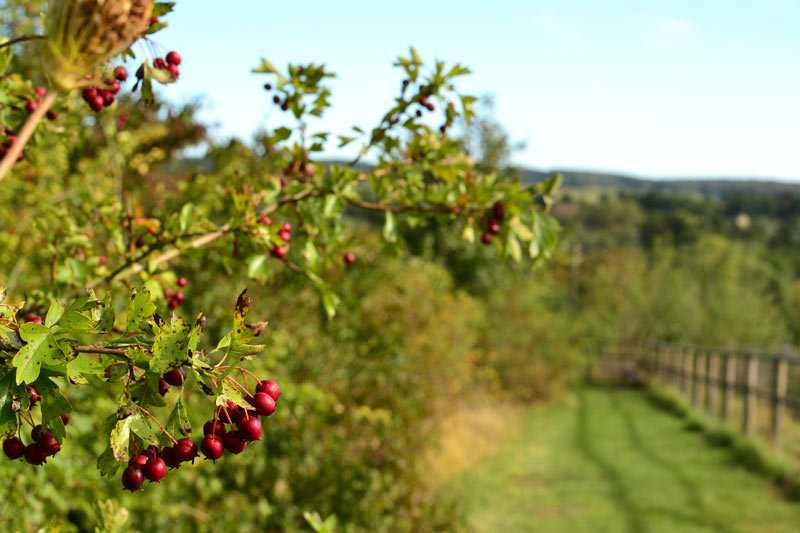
x: 608, y: 460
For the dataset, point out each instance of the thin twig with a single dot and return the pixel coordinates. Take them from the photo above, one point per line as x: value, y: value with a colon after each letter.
x: 145, y: 411
x: 100, y: 349
x: 26, y: 132
x: 22, y: 39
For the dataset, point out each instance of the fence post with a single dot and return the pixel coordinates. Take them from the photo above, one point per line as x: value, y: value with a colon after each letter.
x: 729, y: 385
x: 711, y: 376
x: 696, y: 378
x: 751, y: 382
x: 780, y: 374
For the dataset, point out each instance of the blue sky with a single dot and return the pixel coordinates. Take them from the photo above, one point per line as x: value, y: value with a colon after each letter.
x: 663, y: 88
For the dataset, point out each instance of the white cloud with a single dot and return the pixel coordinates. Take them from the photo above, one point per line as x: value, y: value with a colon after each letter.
x: 675, y: 25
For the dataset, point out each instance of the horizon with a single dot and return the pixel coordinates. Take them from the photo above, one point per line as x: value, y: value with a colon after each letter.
x: 671, y: 90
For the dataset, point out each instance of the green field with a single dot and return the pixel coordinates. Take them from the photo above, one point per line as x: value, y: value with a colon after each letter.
x: 606, y: 460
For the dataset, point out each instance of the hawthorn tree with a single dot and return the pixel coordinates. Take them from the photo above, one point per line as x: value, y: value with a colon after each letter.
x: 89, y: 285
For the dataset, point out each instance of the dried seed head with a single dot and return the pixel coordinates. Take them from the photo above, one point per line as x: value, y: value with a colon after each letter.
x: 83, y: 35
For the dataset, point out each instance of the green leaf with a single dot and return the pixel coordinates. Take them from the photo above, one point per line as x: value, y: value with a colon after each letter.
x: 344, y: 140
x: 390, y: 227
x: 186, y: 216
x: 5, y: 56
x: 120, y: 439
x: 140, y: 309
x: 281, y: 134
x: 144, y: 428
x: 266, y: 67
x: 41, y: 344
x: 145, y: 393
x: 8, y: 420
x: 170, y: 346
x: 76, y: 317
x: 53, y: 314
x: 53, y: 406
x: 513, y: 248
x: 162, y: 8
x: 178, y: 421
x: 415, y: 57
x: 229, y: 393
x: 107, y: 464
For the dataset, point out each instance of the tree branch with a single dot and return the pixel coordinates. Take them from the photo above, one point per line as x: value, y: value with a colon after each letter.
x: 26, y: 132
x: 22, y: 39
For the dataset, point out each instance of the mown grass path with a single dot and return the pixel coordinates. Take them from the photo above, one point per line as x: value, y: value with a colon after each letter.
x: 607, y: 460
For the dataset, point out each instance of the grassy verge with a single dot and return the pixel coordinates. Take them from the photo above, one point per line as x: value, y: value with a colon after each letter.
x: 748, y: 452
x: 608, y: 460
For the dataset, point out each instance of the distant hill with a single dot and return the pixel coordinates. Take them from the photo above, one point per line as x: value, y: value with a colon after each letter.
x: 600, y: 181
x: 719, y: 188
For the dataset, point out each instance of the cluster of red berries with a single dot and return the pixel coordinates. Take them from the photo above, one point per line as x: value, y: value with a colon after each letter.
x: 5, y: 146
x: 493, y: 224
x: 175, y: 298
x: 285, y: 233
x: 33, y: 105
x: 99, y: 97
x: 169, y: 63
x: 43, y: 443
x: 243, y: 427
x: 174, y: 377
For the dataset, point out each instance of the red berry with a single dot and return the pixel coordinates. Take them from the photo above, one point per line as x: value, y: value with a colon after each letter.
x: 263, y: 403
x: 182, y: 282
x: 285, y: 235
x: 418, y: 113
x: 284, y: 106
x: 424, y: 101
x: 486, y: 238
x: 108, y: 98
x: 121, y: 73
x: 88, y: 94
x: 216, y: 427
x: 33, y: 394
x: 155, y: 469
x: 153, y: 20
x: 349, y: 258
x: 173, y: 69
x: 101, y: 259
x: 443, y: 129
x: 40, y: 92
x: 36, y: 320
x: 65, y: 419
x: 212, y: 447
x: 185, y: 450
x: 13, y: 447
x: 159, y: 63
x: 173, y: 304
x: 267, y: 86
x: 132, y: 478
x: 286, y: 226
x: 499, y: 210
x: 49, y: 445
x: 97, y: 103
x: 279, y: 252
x: 174, y: 58
x: 250, y: 428
x: 430, y: 107
x: 494, y: 226
x: 31, y: 105
x: 150, y: 453
x: 175, y: 376
x: 276, y: 99
x: 265, y: 220
x: 113, y: 86
x: 179, y: 297
x: 51, y: 115
x: 270, y: 387
x: 36, y: 433
x: 34, y: 455
x: 163, y: 386
x: 284, y: 182
x: 234, y: 443
x: 139, y: 460
x: 170, y: 459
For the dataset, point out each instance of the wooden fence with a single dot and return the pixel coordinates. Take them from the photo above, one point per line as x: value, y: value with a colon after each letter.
x: 730, y: 384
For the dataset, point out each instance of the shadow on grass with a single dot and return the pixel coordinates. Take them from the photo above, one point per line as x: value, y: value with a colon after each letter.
x: 693, y: 494
x: 620, y: 491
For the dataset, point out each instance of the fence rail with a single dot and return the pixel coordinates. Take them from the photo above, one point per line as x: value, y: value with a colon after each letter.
x: 717, y: 381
